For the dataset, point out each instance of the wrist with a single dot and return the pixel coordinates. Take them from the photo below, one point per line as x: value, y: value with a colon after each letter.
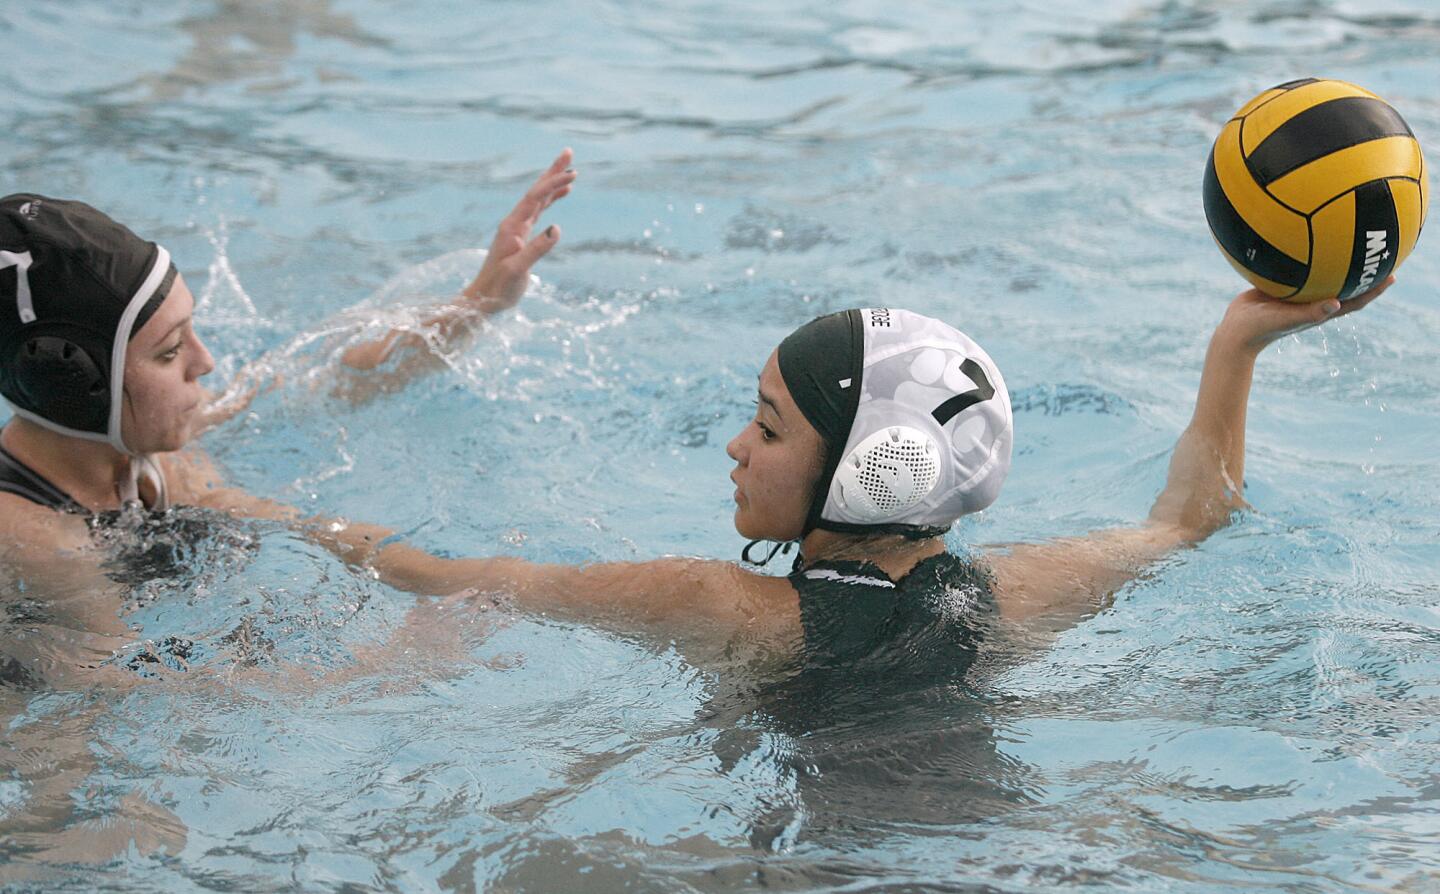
x: 1235, y: 341
x: 482, y: 296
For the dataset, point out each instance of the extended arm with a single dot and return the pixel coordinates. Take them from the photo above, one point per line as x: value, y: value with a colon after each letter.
x: 681, y: 599
x: 1072, y: 577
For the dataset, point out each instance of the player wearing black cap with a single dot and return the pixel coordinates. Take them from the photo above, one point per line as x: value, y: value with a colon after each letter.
x: 101, y: 365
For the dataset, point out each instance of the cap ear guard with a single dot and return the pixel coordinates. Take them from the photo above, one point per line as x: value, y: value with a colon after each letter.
x: 885, y: 474
x: 55, y: 372
x: 74, y: 287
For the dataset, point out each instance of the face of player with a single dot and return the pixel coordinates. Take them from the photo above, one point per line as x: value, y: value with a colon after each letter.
x: 163, y: 366
x: 778, y: 459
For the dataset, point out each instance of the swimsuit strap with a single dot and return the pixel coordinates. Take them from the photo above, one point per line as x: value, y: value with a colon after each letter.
x: 18, y: 478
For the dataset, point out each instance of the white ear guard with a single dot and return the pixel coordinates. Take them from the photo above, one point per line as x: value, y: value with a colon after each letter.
x: 886, y: 474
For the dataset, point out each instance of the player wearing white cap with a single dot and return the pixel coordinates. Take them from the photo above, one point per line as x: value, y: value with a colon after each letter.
x: 875, y: 429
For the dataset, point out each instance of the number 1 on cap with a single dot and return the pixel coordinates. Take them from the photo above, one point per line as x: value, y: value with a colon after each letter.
x: 21, y: 262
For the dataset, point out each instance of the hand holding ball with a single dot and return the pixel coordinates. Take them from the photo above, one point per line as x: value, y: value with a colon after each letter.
x: 1316, y: 189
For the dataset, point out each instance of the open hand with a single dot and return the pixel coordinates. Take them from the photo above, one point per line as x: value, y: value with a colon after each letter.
x: 1255, y: 319
x: 501, y: 282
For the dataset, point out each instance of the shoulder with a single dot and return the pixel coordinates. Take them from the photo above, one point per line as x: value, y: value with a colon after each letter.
x: 673, y: 592
x: 27, y: 528
x: 723, y: 587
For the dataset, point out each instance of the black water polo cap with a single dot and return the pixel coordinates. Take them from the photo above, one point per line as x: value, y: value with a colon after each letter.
x: 75, y: 286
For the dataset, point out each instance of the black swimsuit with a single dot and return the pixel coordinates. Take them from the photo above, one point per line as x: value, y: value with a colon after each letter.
x: 153, y: 544
x: 884, y: 726
x: 925, y: 626
x: 18, y: 478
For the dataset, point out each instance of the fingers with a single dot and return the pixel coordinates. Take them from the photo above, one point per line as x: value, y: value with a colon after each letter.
x: 551, y: 186
x: 562, y: 161
x: 1354, y: 304
x: 541, y: 195
x: 548, y: 185
x: 538, y: 247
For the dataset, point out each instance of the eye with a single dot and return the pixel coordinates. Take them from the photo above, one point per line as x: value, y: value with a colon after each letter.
x: 171, y: 353
x: 766, y: 433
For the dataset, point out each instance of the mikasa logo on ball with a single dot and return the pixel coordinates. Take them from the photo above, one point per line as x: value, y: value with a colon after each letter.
x: 1375, y: 243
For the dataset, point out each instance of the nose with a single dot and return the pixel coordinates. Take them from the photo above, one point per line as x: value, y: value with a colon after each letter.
x: 204, y: 363
x: 735, y: 449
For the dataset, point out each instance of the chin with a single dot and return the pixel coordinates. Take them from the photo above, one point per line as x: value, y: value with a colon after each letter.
x: 749, y: 531
x: 168, y: 443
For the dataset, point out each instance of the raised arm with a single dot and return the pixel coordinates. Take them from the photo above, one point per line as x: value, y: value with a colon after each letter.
x: 1069, y: 578
x: 498, y: 286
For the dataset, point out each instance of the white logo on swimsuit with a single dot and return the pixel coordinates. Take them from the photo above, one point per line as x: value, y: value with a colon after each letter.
x: 1375, y: 241
x: 30, y: 209
x: 857, y: 579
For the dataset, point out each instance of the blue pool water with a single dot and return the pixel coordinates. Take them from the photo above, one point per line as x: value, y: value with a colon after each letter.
x: 1256, y: 714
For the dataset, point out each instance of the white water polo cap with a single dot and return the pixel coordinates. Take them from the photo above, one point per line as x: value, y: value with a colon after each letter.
x: 915, y: 417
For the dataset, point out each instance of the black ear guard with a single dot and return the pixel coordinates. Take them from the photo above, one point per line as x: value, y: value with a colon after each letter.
x: 59, y: 373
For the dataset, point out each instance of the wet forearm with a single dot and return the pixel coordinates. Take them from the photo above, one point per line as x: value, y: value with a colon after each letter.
x: 1206, y: 477
x: 445, y: 329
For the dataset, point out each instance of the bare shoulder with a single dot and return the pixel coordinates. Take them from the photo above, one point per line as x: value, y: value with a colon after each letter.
x: 706, y: 587
x: 28, y: 528
x: 1073, y: 577
x: 47, y: 549
x: 735, y: 590
x: 698, y: 596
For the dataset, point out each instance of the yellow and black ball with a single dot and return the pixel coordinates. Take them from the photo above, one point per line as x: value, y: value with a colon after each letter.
x: 1316, y: 189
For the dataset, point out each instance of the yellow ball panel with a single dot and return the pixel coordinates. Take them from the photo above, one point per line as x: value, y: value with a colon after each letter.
x: 1334, y: 229
x: 1410, y: 214
x: 1274, y: 223
x: 1268, y: 118
x: 1321, y: 180
x: 1273, y: 289
x: 1257, y: 102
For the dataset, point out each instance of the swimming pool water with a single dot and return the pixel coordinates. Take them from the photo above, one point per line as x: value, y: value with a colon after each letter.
x: 1255, y: 714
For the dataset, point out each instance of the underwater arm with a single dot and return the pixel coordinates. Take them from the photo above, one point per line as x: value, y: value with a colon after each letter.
x: 498, y: 286
x: 1072, y: 577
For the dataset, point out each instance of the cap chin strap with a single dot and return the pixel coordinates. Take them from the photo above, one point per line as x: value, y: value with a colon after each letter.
x: 781, y: 546
x: 123, y: 332
x: 129, y: 488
